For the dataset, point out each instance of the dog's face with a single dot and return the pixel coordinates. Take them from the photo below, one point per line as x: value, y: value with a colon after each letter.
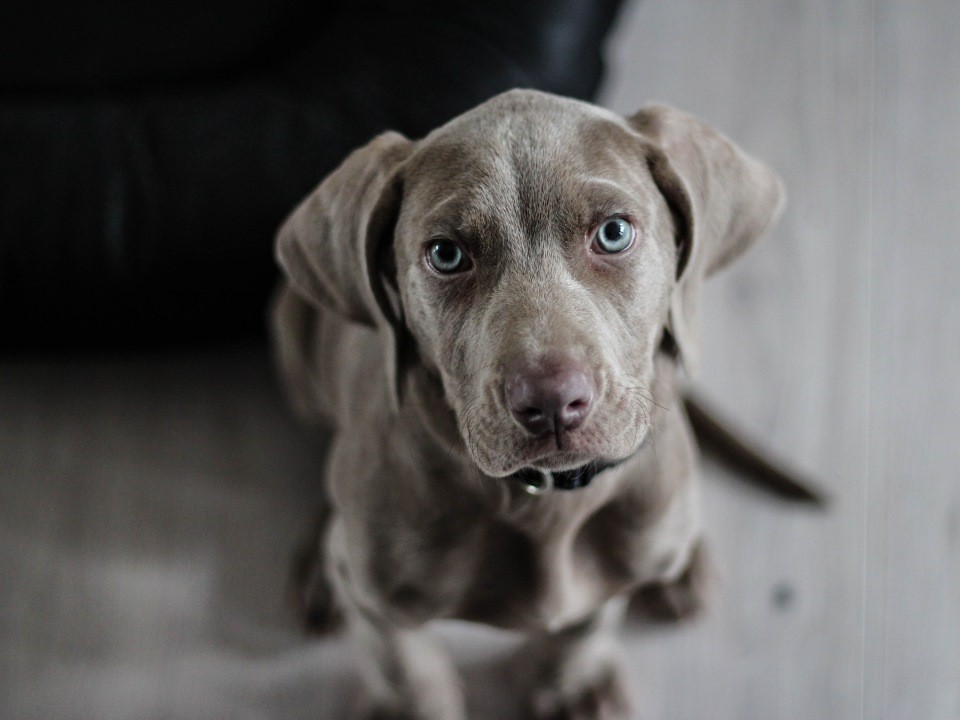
x: 535, y: 258
x: 537, y: 250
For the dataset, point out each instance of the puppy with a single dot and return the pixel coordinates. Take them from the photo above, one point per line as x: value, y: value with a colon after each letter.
x: 493, y: 320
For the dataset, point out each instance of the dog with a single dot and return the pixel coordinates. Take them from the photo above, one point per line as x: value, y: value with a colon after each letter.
x: 493, y: 320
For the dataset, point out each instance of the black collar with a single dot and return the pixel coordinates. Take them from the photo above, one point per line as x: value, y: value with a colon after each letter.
x: 537, y: 481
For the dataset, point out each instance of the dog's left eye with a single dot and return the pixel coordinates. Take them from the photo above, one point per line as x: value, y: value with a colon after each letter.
x: 447, y: 257
x: 614, y: 235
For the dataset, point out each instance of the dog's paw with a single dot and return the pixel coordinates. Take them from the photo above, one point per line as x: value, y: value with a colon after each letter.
x: 683, y: 599
x: 311, y: 591
x: 318, y: 610
x: 602, y: 697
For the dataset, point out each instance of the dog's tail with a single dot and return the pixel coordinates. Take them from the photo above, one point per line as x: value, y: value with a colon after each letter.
x: 753, y: 464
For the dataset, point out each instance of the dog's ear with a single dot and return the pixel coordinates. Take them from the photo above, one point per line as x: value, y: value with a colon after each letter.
x: 721, y: 200
x: 337, y: 244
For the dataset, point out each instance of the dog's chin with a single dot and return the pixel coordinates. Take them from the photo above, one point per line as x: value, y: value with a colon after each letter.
x: 543, y: 454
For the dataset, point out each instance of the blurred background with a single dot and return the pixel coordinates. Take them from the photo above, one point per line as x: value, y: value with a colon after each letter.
x: 153, y: 485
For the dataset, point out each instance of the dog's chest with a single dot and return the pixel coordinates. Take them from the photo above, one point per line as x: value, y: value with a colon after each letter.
x: 524, y: 581
x: 556, y: 568
x: 546, y: 569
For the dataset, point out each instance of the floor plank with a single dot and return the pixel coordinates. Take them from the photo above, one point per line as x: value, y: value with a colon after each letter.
x: 912, y: 605
x: 786, y: 336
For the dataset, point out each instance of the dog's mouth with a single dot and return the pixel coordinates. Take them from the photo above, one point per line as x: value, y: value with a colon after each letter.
x: 564, y: 470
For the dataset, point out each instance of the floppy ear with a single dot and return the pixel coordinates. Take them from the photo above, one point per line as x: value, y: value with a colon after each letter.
x: 332, y: 246
x: 721, y: 199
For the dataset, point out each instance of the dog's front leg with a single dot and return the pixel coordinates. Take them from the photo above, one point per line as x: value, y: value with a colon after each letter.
x: 408, y: 675
x: 578, y: 672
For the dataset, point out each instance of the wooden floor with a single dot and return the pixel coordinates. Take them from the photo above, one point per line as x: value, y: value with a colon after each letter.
x: 148, y: 507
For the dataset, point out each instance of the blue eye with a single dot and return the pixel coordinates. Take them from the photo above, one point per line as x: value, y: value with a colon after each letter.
x: 614, y: 235
x: 447, y: 257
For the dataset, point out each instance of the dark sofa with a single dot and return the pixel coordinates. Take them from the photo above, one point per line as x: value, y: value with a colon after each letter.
x: 149, y: 150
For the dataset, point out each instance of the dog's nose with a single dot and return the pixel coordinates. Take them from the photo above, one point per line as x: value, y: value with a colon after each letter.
x: 545, y: 402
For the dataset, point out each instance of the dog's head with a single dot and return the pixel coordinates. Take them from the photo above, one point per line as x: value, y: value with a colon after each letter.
x: 531, y: 256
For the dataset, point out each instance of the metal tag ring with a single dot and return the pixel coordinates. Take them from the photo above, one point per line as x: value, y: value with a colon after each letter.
x: 543, y: 485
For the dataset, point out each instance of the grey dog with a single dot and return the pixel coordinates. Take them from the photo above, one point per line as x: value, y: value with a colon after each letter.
x: 493, y: 320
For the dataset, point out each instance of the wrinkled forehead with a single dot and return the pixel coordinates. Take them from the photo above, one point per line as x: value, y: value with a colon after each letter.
x: 519, y: 168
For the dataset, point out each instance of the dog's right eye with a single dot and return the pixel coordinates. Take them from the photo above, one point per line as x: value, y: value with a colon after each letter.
x: 615, y: 235
x: 447, y: 257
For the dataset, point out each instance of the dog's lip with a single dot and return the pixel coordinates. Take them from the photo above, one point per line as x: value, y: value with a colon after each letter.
x: 564, y: 466
x: 542, y: 454
x: 556, y: 461
x: 550, y: 462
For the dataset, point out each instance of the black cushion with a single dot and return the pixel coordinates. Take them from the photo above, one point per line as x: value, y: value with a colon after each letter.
x: 147, y: 156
